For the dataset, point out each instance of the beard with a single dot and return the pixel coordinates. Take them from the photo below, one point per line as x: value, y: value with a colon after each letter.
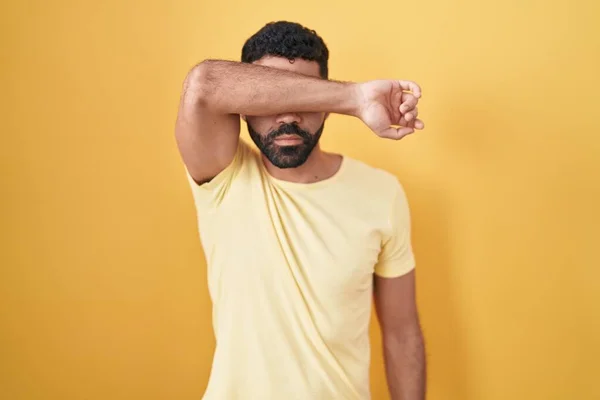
x: 286, y: 156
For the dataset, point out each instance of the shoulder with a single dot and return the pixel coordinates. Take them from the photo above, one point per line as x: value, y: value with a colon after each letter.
x: 375, y: 181
x: 377, y: 194
x: 242, y: 168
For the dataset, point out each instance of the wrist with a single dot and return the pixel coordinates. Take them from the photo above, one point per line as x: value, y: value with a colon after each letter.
x: 355, y: 99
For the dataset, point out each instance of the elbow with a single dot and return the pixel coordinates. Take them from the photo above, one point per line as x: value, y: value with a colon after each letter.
x: 199, y: 84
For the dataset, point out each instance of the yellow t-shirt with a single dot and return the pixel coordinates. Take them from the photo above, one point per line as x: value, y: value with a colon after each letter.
x: 290, y: 272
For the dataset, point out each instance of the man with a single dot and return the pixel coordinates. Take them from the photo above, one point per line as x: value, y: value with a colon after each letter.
x: 297, y: 239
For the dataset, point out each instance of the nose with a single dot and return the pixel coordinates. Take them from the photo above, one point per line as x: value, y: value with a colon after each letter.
x: 289, y: 118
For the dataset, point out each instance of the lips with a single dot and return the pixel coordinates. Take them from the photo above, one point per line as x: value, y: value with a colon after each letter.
x: 288, y: 140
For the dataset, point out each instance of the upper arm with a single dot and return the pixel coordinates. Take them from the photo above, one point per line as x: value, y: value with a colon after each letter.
x: 394, y: 275
x: 395, y: 303
x: 207, y: 139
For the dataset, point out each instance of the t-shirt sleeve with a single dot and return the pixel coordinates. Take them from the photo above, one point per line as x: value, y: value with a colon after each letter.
x: 396, y: 257
x: 211, y: 193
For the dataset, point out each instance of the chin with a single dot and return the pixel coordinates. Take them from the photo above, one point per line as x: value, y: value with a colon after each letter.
x: 285, y: 163
x: 285, y: 157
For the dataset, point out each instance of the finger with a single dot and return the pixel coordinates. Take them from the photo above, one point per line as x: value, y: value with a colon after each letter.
x: 411, y: 87
x: 412, y: 115
x: 389, y: 133
x: 405, y: 96
x: 401, y: 132
x: 409, y: 102
x: 403, y: 122
x: 396, y: 133
x: 415, y: 123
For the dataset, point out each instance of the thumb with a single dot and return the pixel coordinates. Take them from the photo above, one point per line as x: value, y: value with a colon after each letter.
x: 396, y: 133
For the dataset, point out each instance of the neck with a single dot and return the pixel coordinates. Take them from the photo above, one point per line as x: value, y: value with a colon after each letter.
x: 319, y: 166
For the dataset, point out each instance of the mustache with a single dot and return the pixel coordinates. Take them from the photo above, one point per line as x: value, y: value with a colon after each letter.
x: 288, y: 129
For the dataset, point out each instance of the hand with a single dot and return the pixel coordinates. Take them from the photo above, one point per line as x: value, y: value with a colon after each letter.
x: 388, y: 103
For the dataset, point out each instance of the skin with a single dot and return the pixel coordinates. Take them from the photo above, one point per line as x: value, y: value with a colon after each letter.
x: 273, y: 92
x: 402, y: 337
x: 319, y: 165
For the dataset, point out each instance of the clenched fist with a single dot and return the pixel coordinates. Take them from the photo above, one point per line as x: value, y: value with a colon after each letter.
x: 389, y: 107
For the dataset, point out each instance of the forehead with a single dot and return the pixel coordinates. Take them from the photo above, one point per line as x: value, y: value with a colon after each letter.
x: 298, y: 65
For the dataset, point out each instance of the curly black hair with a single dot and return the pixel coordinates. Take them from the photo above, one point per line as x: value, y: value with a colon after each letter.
x: 290, y: 40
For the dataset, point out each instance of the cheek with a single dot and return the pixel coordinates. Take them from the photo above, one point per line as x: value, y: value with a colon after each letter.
x: 260, y: 124
x: 314, y: 120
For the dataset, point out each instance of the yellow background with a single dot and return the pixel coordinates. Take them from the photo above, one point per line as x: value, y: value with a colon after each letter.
x: 103, y: 290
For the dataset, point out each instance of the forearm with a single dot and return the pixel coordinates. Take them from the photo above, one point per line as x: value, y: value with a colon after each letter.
x: 248, y: 89
x: 405, y: 364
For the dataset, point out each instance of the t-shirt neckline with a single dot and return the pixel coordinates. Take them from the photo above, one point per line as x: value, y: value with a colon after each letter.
x: 309, y: 185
